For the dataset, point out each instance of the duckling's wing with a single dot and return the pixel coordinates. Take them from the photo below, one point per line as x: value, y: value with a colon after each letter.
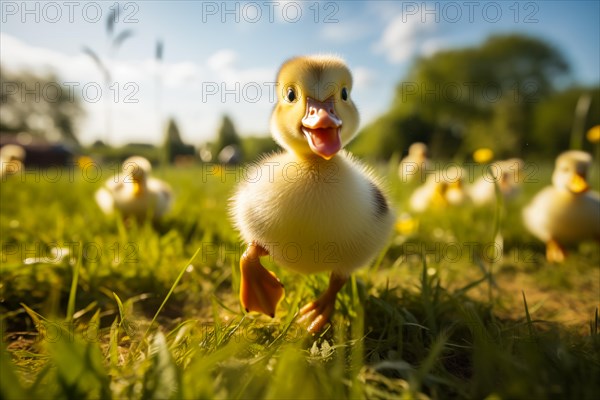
x: 105, y: 200
x: 592, y: 207
x: 482, y: 191
x: 413, y: 169
x: 456, y: 197
x: 163, y: 195
x: 421, y: 197
x: 537, y: 215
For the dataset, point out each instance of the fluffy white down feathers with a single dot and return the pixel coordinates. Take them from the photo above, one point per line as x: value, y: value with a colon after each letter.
x: 314, y: 216
x: 134, y: 193
x: 565, y: 212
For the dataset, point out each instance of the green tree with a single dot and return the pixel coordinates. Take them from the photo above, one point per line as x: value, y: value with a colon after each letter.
x: 554, y: 117
x: 391, y: 134
x: 471, y: 97
x: 39, y: 105
x: 254, y: 147
x: 173, y: 145
x: 226, y: 136
x: 172, y: 140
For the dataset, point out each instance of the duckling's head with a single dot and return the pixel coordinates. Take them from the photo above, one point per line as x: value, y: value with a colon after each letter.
x: 136, y: 170
x: 314, y: 113
x: 516, y: 164
x: 418, y: 150
x: 510, y: 172
x: 570, y: 172
x: 453, y: 178
x: 12, y: 152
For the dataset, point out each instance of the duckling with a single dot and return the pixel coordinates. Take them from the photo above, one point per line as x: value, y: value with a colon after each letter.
x: 440, y: 190
x: 413, y: 166
x: 135, y: 193
x: 508, y: 175
x: 11, y: 159
x: 566, y: 212
x: 314, y: 207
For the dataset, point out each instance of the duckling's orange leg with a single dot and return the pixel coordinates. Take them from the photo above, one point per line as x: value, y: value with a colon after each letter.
x: 260, y: 290
x: 317, y: 313
x: 554, y: 252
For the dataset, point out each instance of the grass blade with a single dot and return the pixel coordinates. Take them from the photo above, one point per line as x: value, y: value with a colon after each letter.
x: 14, y: 390
x: 120, y: 306
x: 170, y: 293
x: 73, y: 291
x: 528, y: 316
x: 427, y: 365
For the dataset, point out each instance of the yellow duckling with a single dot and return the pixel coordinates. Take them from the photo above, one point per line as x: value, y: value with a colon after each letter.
x: 11, y: 159
x: 440, y: 190
x: 566, y: 212
x: 314, y: 207
x: 413, y: 166
x: 134, y: 193
x: 506, y: 173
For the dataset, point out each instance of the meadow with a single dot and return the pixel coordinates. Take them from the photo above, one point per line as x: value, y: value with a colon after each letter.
x: 460, y: 304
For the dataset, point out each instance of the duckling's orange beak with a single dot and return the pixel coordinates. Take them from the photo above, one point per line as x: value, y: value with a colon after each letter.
x: 578, y: 184
x: 322, y: 127
x: 138, y: 189
x: 439, y: 195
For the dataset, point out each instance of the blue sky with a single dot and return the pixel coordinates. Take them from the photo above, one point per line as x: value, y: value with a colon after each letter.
x: 222, y: 57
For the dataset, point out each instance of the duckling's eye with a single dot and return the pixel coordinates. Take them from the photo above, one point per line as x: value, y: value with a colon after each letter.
x: 291, y: 95
x: 344, y: 94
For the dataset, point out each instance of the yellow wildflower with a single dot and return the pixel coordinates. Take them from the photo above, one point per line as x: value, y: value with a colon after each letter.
x: 405, y: 225
x: 483, y: 155
x: 593, y: 135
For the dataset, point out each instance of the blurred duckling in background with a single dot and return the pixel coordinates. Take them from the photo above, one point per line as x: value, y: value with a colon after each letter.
x: 134, y: 193
x: 506, y: 173
x: 567, y: 212
x: 11, y: 159
x: 327, y: 213
x: 412, y: 166
x: 440, y: 190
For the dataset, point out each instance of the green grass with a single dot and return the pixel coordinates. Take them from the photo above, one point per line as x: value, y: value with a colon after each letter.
x: 152, y: 311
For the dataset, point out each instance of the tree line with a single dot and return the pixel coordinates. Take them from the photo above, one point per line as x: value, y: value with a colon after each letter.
x: 509, y: 94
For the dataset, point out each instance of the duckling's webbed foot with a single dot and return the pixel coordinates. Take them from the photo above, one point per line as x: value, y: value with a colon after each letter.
x: 316, y: 313
x: 555, y: 252
x: 260, y: 290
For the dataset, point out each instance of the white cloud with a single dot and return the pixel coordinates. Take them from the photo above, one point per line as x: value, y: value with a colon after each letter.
x: 431, y: 46
x: 174, y: 75
x: 17, y: 55
x: 223, y: 65
x: 363, y: 77
x: 222, y: 60
x: 181, y: 74
x: 182, y: 94
x: 402, y: 37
